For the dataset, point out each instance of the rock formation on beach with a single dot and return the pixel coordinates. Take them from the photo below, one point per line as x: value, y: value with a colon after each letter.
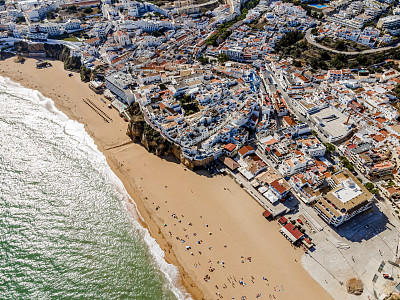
x: 355, y: 286
x: 139, y: 131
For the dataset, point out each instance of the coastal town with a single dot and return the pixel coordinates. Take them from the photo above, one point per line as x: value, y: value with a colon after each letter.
x: 297, y: 102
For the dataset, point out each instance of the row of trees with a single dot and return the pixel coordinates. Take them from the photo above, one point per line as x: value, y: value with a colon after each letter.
x: 346, y: 163
x: 224, y: 30
x: 371, y: 188
x: 329, y: 148
x: 222, y: 33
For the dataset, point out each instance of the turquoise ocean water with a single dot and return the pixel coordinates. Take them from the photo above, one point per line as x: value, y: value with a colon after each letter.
x: 65, y: 232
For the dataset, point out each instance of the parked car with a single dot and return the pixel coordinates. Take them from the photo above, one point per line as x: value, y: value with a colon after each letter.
x: 388, y: 276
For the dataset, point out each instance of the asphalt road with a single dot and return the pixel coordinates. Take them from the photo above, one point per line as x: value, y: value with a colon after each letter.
x: 314, y: 43
x: 288, y: 100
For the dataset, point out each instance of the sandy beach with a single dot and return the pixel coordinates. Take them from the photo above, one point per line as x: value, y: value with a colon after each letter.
x: 207, y: 226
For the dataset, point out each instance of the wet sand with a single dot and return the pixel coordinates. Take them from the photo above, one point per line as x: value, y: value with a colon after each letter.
x: 209, y: 227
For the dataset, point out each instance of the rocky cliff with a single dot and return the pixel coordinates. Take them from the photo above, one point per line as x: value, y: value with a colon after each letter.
x: 55, y: 51
x: 5, y: 55
x: 140, y: 132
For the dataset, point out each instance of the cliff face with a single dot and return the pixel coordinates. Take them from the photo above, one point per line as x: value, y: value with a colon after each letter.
x: 136, y: 128
x: 140, y: 132
x: 5, y: 55
x: 54, y: 51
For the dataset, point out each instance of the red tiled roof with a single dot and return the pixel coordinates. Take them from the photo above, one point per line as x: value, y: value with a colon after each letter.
x: 277, y: 186
x: 230, y: 147
x: 266, y: 213
x: 289, y: 120
x: 282, y: 220
x: 293, y: 231
x: 245, y: 150
x: 229, y: 162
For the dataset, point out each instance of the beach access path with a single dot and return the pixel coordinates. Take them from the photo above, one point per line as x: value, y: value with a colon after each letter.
x: 233, y: 250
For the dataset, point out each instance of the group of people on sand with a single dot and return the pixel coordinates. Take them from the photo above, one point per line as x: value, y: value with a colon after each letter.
x: 231, y: 279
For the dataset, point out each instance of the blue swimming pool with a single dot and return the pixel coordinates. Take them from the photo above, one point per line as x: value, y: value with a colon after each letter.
x: 318, y: 5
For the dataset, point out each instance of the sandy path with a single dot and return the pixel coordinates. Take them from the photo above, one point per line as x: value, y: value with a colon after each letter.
x: 169, y: 197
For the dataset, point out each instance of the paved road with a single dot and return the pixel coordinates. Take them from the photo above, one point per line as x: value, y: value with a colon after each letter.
x: 71, y: 45
x: 314, y: 43
x: 290, y: 104
x: 189, y: 7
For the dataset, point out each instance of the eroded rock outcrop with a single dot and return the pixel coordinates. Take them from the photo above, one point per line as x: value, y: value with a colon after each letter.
x: 140, y: 132
x: 355, y: 286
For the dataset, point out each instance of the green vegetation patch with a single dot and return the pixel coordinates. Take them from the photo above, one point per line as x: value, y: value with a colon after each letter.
x: 190, y: 106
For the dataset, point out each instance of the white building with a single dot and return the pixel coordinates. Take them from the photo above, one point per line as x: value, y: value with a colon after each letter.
x: 149, y: 78
x: 122, y: 38
x: 389, y: 22
x: 347, y: 199
x: 53, y: 29
x: 72, y: 25
x: 32, y: 15
x: 118, y: 83
x: 295, y: 165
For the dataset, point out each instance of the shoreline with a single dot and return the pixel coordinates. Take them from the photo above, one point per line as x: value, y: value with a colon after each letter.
x: 134, y: 207
x: 157, y: 185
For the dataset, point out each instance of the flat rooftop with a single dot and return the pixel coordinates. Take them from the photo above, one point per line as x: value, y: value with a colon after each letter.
x: 332, y: 121
x: 346, y: 195
x: 348, y: 191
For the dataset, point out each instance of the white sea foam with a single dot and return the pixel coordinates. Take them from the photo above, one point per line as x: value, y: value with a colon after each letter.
x: 77, y: 131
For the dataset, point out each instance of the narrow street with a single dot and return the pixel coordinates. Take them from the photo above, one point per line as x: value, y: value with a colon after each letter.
x: 288, y: 100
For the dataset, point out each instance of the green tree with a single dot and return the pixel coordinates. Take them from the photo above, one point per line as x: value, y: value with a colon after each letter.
x: 203, y: 60
x: 350, y: 167
x: 314, y: 63
x: 375, y: 191
x: 288, y: 40
x: 20, y: 19
x: 222, y: 57
x: 50, y: 15
x: 189, y: 105
x: 85, y: 74
x: 163, y: 87
x: 72, y: 63
x: 329, y: 148
x: 324, y: 55
x: 156, y: 33
x: 369, y: 186
x: 313, y: 132
x: 340, y: 45
x: 314, y: 31
x: 297, y: 63
x: 361, y: 59
x: 87, y: 10
x: 71, y: 9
